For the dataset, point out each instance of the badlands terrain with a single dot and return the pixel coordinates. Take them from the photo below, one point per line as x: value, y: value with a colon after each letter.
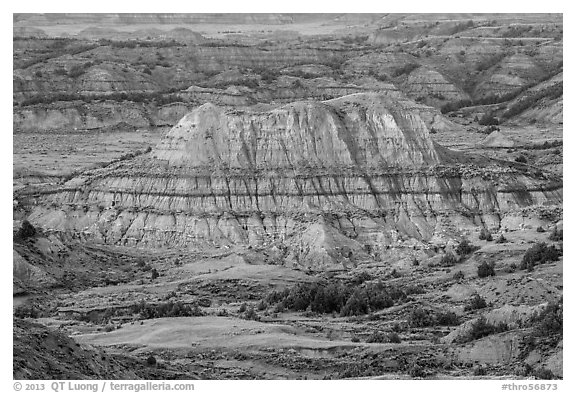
x: 287, y: 196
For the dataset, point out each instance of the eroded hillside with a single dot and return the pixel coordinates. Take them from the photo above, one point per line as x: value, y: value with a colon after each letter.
x: 288, y: 196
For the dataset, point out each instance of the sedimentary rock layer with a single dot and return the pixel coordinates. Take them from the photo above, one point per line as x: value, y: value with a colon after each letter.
x: 357, y: 170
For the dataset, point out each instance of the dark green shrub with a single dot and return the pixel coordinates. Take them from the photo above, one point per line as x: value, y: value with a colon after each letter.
x: 416, y: 371
x: 488, y: 120
x: 538, y: 254
x: 447, y: 318
x: 251, y: 314
x: 476, y: 302
x: 501, y: 239
x: 155, y: 274
x: 357, y: 304
x: 540, y: 229
x: 376, y: 337
x: 459, y: 275
x: 337, y: 297
x: 420, y: 317
x: 151, y: 361
x: 26, y: 311
x: 549, y: 321
x: 556, y: 235
x: 448, y: 259
x: 486, y: 269
x: 406, y: 69
x: 362, y: 277
x: 465, y: 247
x: 242, y: 308
x: 481, y: 328
x: 26, y: 230
x: 543, y: 373
x: 479, y: 370
x: 485, y: 235
x: 262, y: 305
x: 379, y: 337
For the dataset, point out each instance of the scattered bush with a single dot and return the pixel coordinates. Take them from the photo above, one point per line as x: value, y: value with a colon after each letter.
x: 447, y: 318
x: 251, y: 314
x: 154, y: 274
x: 521, y: 159
x: 459, y: 275
x: 556, y: 235
x: 549, y: 321
x: 448, y: 259
x: 479, y: 370
x: 501, y: 239
x: 476, y: 302
x: 465, y: 247
x: 27, y: 310
x: 485, y: 235
x: 528, y: 101
x: 488, y: 119
x: 486, y: 269
x: 346, y: 299
x: 25, y: 231
x: 406, y: 69
x: 543, y: 373
x: 379, y: 337
x: 262, y: 305
x: 538, y: 254
x: 540, y: 229
x: 165, y: 310
x: 242, y: 308
x: 481, y: 328
x: 416, y: 371
x: 151, y: 361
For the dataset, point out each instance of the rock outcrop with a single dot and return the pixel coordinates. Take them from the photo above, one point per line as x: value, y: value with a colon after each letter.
x: 314, y: 176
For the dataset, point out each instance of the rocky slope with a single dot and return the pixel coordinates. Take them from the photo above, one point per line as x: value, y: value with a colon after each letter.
x: 44, y: 353
x: 316, y: 176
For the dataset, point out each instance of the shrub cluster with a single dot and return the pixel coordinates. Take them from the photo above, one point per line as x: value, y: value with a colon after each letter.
x: 405, y: 69
x: 166, y: 309
x: 488, y: 119
x: 551, y: 92
x: 448, y: 259
x: 159, y: 98
x: 481, y: 328
x: 465, y: 247
x: 501, y: 239
x: 346, y: 299
x: 549, y: 321
x: 380, y: 337
x: 25, y: 231
x: 485, y: 235
x: 556, y: 235
x: 476, y: 302
x: 486, y: 269
x: 538, y: 254
x: 420, y: 317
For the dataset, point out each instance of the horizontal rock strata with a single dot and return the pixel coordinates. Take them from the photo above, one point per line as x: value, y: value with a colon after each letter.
x: 354, y: 171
